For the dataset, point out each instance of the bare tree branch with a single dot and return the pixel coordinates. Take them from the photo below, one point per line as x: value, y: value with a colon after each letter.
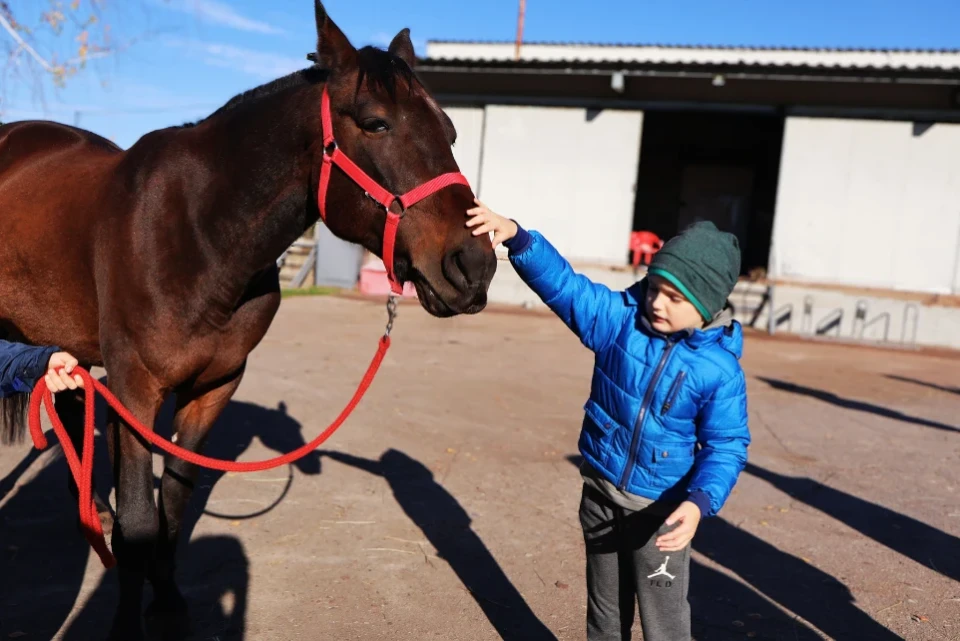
x: 67, y: 35
x: 23, y: 43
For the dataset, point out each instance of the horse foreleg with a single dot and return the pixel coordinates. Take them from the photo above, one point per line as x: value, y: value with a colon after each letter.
x: 197, y: 411
x: 137, y: 523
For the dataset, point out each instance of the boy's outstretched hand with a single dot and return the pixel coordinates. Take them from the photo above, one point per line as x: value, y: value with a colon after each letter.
x: 688, y: 516
x: 485, y: 221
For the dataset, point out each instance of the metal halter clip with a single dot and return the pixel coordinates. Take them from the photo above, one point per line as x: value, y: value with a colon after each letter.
x: 391, y: 313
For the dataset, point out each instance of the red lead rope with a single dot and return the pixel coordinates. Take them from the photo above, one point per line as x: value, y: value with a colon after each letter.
x: 82, y: 470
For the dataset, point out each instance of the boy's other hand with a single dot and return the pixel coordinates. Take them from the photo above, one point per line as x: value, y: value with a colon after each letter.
x: 59, y: 368
x: 688, y: 516
x: 484, y: 221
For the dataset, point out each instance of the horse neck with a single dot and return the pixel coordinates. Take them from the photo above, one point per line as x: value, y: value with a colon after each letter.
x: 261, y: 158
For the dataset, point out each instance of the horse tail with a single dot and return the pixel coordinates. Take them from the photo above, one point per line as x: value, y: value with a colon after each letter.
x: 13, y: 418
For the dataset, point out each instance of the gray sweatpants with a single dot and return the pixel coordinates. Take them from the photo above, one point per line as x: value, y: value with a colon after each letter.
x: 625, y: 567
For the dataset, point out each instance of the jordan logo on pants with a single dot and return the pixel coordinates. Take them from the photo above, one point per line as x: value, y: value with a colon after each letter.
x: 662, y: 571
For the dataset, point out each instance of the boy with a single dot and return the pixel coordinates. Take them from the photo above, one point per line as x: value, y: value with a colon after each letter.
x: 21, y: 366
x: 665, y: 432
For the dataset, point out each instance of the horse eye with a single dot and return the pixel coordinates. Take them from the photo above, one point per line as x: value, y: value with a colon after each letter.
x: 374, y: 126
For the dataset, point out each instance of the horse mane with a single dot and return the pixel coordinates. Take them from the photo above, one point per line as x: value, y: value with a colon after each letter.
x: 378, y: 68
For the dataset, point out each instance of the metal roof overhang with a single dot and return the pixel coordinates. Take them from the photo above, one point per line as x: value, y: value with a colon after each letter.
x: 882, y: 92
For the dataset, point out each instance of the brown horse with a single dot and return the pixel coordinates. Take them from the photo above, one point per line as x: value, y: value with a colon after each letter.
x: 158, y: 262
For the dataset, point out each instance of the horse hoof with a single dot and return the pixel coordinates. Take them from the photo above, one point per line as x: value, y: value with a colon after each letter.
x: 168, y: 620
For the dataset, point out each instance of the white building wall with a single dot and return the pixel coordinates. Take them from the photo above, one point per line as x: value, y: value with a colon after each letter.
x: 860, y: 203
x: 569, y: 173
x: 869, y: 203
x: 468, y: 149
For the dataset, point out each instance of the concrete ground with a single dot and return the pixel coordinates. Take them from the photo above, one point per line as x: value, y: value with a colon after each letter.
x: 446, y: 507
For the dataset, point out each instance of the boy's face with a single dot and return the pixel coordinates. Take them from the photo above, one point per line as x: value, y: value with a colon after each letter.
x: 668, y: 310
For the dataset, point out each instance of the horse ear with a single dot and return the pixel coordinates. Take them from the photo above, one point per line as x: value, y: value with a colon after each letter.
x: 334, y: 51
x: 402, y: 48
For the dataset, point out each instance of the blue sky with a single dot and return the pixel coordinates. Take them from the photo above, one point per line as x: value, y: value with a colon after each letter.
x: 193, y: 55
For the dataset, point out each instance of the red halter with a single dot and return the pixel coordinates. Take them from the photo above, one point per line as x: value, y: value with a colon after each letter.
x: 333, y: 156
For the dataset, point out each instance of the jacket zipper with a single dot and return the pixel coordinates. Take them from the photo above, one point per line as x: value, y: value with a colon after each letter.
x: 672, y: 394
x: 644, y: 406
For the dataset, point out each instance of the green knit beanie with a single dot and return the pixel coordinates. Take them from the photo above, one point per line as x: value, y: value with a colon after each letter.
x: 703, y: 263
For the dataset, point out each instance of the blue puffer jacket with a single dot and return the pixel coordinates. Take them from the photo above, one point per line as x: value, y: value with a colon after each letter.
x: 21, y: 366
x: 667, y: 416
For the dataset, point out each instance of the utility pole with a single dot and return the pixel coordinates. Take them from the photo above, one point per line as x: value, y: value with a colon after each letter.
x: 520, y: 17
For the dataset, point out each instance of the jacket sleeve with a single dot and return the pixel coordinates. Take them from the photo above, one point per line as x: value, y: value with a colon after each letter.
x: 723, y: 435
x: 594, y: 312
x: 21, y: 366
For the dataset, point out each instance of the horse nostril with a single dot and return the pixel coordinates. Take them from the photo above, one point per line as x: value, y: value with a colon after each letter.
x: 455, y: 271
x: 461, y: 265
x: 465, y: 266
